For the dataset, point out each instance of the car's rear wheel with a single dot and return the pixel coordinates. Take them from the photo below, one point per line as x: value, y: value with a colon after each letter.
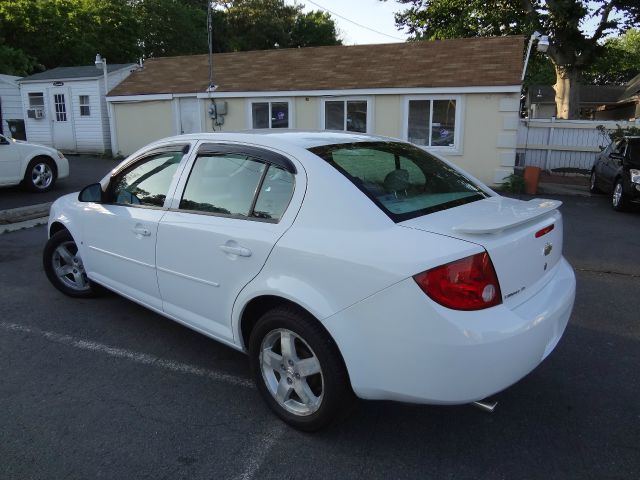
x: 593, y: 187
x: 618, y: 198
x: 40, y: 174
x: 64, y: 267
x: 298, y: 369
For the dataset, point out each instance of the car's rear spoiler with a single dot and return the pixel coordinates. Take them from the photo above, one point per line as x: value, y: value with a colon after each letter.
x: 508, y: 217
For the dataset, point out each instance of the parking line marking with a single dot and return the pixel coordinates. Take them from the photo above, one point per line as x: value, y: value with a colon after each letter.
x: 142, y: 358
x: 258, y: 454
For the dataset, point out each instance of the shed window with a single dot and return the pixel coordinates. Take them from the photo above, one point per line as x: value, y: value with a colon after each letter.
x: 85, y: 109
x: 432, y: 123
x: 36, y: 100
x: 349, y: 115
x: 270, y: 114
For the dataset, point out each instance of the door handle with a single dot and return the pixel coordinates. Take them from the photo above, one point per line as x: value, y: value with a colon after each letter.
x: 236, y: 250
x: 140, y: 230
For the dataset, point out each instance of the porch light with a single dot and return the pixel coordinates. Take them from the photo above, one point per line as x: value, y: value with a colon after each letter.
x: 543, y: 46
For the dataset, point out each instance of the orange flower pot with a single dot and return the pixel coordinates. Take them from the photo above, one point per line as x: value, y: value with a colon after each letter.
x: 531, y: 178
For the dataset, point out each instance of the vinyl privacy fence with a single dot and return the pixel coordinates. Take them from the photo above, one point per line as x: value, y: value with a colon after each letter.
x: 563, y: 145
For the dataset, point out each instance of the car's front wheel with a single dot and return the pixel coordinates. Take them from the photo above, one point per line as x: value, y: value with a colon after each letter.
x: 40, y: 174
x: 298, y: 369
x: 64, y: 267
x: 618, y: 198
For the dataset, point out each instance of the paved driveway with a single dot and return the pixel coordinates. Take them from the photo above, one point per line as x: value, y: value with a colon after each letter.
x: 83, y: 170
x: 106, y: 389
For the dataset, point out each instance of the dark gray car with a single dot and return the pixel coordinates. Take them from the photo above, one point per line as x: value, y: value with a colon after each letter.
x: 617, y: 171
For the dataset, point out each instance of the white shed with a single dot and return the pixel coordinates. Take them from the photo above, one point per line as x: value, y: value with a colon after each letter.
x: 65, y: 107
x: 10, y: 102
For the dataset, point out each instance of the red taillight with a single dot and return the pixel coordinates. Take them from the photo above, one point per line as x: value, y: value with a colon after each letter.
x: 467, y: 284
x: 545, y: 230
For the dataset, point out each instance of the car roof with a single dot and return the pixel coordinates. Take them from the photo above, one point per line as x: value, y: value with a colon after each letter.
x: 284, y: 137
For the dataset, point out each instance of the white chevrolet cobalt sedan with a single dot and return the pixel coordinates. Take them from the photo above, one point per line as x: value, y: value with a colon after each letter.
x: 34, y: 166
x: 345, y: 265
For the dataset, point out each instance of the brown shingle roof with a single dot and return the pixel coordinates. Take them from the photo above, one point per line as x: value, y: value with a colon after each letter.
x: 491, y: 61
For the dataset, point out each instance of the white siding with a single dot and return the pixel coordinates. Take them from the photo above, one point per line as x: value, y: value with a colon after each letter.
x: 90, y: 136
x: 11, y: 101
x: 38, y: 131
x: 92, y: 133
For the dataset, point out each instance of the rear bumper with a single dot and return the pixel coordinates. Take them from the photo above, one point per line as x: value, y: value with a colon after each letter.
x: 399, y: 345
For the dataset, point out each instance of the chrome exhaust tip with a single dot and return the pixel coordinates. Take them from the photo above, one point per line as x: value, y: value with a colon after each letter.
x: 486, y: 405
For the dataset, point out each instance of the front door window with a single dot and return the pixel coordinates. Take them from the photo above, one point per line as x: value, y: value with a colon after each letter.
x: 61, y: 107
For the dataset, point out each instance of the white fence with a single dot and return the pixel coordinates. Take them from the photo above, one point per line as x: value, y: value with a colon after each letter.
x: 563, y: 145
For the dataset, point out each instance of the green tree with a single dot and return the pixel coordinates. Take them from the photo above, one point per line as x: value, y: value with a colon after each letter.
x: 571, y: 50
x: 620, y: 61
x: 265, y: 24
x: 70, y: 32
x: 39, y: 34
x: 171, y: 27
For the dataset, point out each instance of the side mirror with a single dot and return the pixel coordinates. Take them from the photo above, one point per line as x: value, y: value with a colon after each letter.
x: 91, y: 193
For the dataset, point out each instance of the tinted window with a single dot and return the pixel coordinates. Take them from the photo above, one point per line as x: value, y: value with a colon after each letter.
x: 147, y: 182
x: 403, y: 180
x: 275, y: 194
x: 224, y: 184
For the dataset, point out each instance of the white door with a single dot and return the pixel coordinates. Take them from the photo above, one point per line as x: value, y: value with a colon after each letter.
x: 61, y: 120
x: 120, y: 234
x: 10, y: 171
x: 189, y: 115
x: 219, y: 234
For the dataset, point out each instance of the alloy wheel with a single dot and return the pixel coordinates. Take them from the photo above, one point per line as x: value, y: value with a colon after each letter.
x: 617, y: 194
x: 41, y: 176
x: 68, y: 266
x: 291, y: 372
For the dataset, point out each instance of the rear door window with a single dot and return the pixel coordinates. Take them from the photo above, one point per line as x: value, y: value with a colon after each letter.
x: 237, y: 185
x: 403, y: 180
x: 224, y: 184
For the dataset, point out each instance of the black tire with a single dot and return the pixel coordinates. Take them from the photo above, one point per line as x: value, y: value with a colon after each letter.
x: 618, y: 197
x: 41, y: 175
x: 593, y: 188
x: 75, y: 283
x: 331, y: 386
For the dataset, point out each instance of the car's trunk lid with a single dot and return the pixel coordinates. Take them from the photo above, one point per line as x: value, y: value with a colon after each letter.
x: 507, y: 229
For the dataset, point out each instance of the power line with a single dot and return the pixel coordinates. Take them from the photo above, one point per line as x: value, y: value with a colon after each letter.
x: 351, y: 21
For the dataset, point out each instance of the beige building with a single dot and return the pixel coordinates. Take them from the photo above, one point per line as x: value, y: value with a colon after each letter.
x: 459, y: 98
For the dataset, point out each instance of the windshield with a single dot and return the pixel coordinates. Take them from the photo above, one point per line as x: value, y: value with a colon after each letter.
x: 403, y: 180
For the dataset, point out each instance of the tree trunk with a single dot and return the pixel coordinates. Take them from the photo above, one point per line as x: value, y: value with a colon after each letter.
x: 567, y: 94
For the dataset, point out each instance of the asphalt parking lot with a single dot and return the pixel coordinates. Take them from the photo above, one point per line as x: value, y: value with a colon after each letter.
x: 103, y: 388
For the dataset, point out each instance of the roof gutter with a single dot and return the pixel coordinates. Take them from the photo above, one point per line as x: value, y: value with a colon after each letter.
x: 327, y: 93
x: 96, y: 77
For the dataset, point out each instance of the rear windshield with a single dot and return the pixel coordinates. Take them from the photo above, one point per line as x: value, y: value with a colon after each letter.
x: 403, y: 180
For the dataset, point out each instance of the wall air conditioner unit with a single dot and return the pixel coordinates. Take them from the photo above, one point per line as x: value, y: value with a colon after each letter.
x: 37, y: 113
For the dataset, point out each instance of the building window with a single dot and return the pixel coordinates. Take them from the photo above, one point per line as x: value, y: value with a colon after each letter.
x: 61, y: 107
x: 85, y: 109
x: 36, y: 100
x: 432, y: 122
x: 349, y: 115
x: 270, y: 114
